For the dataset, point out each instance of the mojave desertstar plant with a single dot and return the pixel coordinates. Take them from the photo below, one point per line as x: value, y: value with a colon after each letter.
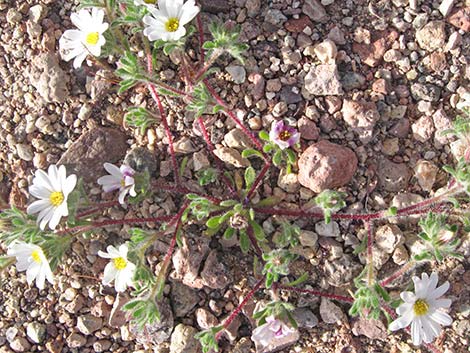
x: 31, y: 258
x: 167, y: 21
x: 87, y: 39
x: 283, y: 135
x: 119, y: 268
x: 52, y: 190
x: 422, y: 309
x: 121, y: 179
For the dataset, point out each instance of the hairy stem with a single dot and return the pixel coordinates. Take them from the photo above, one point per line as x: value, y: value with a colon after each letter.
x: 316, y: 293
x: 258, y: 180
x: 404, y: 269
x: 370, y: 256
x: 240, y: 306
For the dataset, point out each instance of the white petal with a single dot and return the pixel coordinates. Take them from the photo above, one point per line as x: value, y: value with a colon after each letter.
x: 408, y: 297
x: 45, y: 216
x: 39, y: 192
x: 42, y: 179
x: 47, y: 271
x: 104, y: 255
x: 421, y: 285
x: 53, y: 174
x: 404, y: 308
x: 416, y: 334
x: 120, y: 282
x: 441, y: 318
x: 69, y: 184
x: 441, y: 303
x: 190, y: 10
x: 439, y: 291
x: 122, y: 195
x: 113, y: 170
x: 79, y: 60
x: 432, y: 282
x: 113, y: 251
x: 40, y: 279
x: 401, y: 322
x: 109, y: 274
x: 38, y: 206
x: 123, y: 250
x: 32, y: 272
x: 55, y: 219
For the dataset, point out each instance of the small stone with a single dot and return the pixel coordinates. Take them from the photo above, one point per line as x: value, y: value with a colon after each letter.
x: 391, y: 146
x: 387, y: 237
x: 200, y: 160
x: 36, y: 332
x: 76, y: 340
x: 327, y: 230
x: 253, y: 7
x: 326, y: 51
x: 461, y: 19
x: 87, y: 324
x: 183, y: 299
x: 236, y: 138
x: 401, y: 128
x: 323, y: 80
x: 361, y: 116
x: 325, y: 165
x: 352, y: 80
x: 371, y: 328
x: 214, y: 274
x: 404, y: 200
x: 184, y: 145
x: 205, y: 319
x: 280, y: 109
x: 315, y: 10
x: 432, y: 36
x: 231, y: 156
x: 101, y: 345
x: 427, y: 92
x: 330, y: 312
x: 341, y: 271
x: 288, y: 182
x: 215, y: 6
x: 423, y: 128
x: 20, y: 344
x: 238, y: 73
x: 25, y: 152
x: 442, y: 122
x: 305, y: 318
x: 425, y: 173
x: 37, y: 12
x: 392, y: 176
x: 308, y: 129
x: 183, y: 341
x: 400, y: 255
x: 297, y: 25
x: 308, y: 238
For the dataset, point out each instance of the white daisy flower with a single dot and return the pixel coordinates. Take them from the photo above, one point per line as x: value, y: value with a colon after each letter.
x: 87, y: 39
x: 31, y: 258
x: 119, y: 178
x: 167, y: 21
x: 119, y: 269
x: 52, y: 190
x: 464, y: 102
x: 422, y: 309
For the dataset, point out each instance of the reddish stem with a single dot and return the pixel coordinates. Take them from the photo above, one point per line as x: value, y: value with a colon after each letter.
x: 232, y: 116
x: 254, y: 242
x: 258, y: 180
x: 112, y: 222
x: 185, y: 191
x: 317, y: 293
x: 154, y: 93
x: 405, y: 268
x: 96, y: 207
x: 301, y: 213
x: 240, y: 306
x: 370, y: 256
x: 210, y: 146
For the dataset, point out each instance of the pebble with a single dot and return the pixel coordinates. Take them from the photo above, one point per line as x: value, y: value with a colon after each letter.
x: 330, y: 312
x: 427, y: 92
x: 36, y: 332
x: 361, y: 116
x: 231, y: 156
x: 325, y: 165
x: 323, y: 80
x: 425, y: 173
x: 20, y: 344
x: 87, y: 324
x: 392, y: 176
x: 308, y: 238
x: 327, y: 230
x: 305, y: 318
x: 76, y: 340
x: 432, y: 36
x: 237, y: 72
x: 326, y: 51
x: 423, y: 128
x: 315, y: 10
x: 25, y: 152
x: 183, y: 341
x: 388, y: 237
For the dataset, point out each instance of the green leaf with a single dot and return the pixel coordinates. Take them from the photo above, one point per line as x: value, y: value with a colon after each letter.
x: 214, y: 222
x: 244, y: 241
x: 250, y: 176
x: 263, y: 135
x: 257, y: 231
x: 277, y: 158
x: 249, y: 152
x: 229, y: 232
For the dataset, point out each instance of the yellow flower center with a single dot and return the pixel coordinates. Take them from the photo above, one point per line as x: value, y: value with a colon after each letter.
x: 36, y: 255
x: 150, y: 1
x: 92, y: 38
x: 420, y: 307
x: 120, y: 263
x: 172, y: 24
x: 284, y: 136
x: 56, y: 198
x: 123, y: 182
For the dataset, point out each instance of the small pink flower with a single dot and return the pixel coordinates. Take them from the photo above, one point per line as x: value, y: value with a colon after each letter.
x: 282, y: 135
x: 121, y: 179
x: 273, y: 329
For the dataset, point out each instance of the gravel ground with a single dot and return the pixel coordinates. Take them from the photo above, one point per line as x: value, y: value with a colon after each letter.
x: 383, y: 82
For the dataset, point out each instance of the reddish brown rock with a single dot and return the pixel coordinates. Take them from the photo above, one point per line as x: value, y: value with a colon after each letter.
x: 325, y: 165
x: 372, y: 54
x: 85, y: 157
x: 308, y: 129
x: 297, y: 25
x: 461, y: 19
x: 437, y: 62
